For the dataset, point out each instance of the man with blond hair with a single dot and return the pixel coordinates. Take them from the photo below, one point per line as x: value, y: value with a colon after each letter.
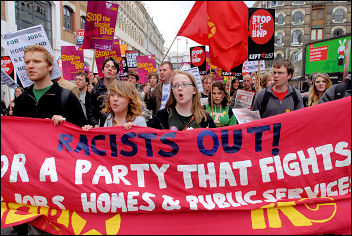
x: 45, y: 98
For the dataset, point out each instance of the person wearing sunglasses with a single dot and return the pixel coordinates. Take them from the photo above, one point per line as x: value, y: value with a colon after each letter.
x: 183, y: 110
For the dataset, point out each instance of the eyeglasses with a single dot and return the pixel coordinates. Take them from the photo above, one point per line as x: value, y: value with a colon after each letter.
x: 279, y: 73
x: 183, y: 85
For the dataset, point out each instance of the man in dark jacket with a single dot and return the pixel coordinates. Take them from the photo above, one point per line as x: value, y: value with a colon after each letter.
x: 45, y: 98
x: 110, y: 69
x: 82, y: 81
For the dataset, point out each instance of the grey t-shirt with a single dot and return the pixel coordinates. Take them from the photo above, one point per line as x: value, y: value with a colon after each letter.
x: 139, y: 121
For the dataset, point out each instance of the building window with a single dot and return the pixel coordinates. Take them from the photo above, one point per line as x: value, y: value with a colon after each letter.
x: 339, y: 15
x: 297, y: 2
x: 280, y: 19
x: 278, y: 56
x: 269, y: 4
x: 279, y: 39
x: 296, y: 37
x: 68, y: 16
x: 298, y: 17
x: 317, y: 34
x: 273, y: 3
x: 83, y: 22
x: 338, y: 32
x: 280, y: 3
x: 32, y: 13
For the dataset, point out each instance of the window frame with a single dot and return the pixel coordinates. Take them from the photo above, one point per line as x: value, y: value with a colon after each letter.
x: 69, y: 27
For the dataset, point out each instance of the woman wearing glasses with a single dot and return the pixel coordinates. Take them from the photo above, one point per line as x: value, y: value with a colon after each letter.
x: 123, y: 107
x: 183, y: 110
x: 218, y: 105
x: 320, y: 83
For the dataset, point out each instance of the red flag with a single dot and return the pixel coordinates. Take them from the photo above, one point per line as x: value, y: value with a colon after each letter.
x: 223, y: 25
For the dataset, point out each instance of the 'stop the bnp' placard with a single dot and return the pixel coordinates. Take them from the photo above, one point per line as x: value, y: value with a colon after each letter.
x: 100, y: 25
x: 261, y: 26
x: 16, y: 42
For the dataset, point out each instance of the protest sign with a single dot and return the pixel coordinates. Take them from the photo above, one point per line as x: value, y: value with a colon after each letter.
x: 198, y: 59
x: 80, y: 36
x: 72, y: 61
x: 123, y: 48
x: 8, y: 80
x: 252, y: 66
x: 185, y: 65
x: 245, y: 115
x: 243, y: 99
x: 123, y: 67
x: 16, y: 42
x: 145, y: 64
x: 131, y: 58
x: 101, y: 56
x: 237, y: 72
x: 263, y: 175
x: 7, y: 66
x: 261, y: 26
x: 195, y: 72
x: 100, y: 25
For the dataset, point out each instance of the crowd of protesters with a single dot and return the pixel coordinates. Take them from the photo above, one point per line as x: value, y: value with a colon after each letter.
x: 172, y: 101
x: 169, y: 102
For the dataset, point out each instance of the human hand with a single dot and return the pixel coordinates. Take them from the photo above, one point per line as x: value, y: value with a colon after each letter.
x: 57, y: 119
x: 87, y: 127
x: 146, y: 89
x: 11, y: 105
x: 127, y: 125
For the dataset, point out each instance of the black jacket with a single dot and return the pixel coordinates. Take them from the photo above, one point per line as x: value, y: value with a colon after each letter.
x: 161, y: 118
x: 56, y: 101
x: 97, y: 98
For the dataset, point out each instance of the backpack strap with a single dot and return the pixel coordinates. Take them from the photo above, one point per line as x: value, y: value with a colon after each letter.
x: 265, y: 101
x: 65, y: 94
x: 339, y: 91
x: 295, y: 98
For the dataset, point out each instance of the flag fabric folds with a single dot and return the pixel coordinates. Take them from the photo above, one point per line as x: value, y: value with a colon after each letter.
x: 223, y: 26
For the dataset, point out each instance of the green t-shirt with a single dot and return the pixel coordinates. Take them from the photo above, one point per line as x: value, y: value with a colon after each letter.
x: 221, y: 116
x: 180, y: 122
x: 38, y: 93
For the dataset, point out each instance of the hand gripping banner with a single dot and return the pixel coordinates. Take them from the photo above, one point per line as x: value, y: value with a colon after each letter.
x: 286, y: 174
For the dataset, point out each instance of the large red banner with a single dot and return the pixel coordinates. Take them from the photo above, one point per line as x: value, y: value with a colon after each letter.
x: 287, y: 174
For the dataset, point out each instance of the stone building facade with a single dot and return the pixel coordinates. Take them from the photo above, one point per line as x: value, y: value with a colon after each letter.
x: 62, y: 19
x: 300, y: 22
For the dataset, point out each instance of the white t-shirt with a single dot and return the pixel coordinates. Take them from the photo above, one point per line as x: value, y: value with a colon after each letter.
x: 165, y: 95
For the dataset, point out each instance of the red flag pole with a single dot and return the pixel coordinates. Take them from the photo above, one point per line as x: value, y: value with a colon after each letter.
x: 169, y: 49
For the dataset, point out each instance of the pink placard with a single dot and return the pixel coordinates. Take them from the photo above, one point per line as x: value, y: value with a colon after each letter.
x: 100, y: 25
x: 72, y: 61
x: 145, y: 64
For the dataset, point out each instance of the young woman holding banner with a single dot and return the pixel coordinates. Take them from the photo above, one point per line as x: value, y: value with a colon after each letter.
x: 183, y: 110
x: 123, y: 107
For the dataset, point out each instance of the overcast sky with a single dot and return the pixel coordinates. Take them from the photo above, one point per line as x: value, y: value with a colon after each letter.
x: 169, y: 16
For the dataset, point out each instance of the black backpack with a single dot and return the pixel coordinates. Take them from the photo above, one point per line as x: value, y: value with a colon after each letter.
x: 266, y: 100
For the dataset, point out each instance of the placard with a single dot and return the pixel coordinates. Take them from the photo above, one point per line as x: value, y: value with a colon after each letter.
x: 16, y: 42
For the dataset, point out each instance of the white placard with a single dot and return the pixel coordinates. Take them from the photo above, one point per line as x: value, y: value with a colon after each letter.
x: 16, y: 42
x: 245, y: 115
x: 8, y: 80
x: 252, y: 66
x: 195, y: 72
x: 243, y: 99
